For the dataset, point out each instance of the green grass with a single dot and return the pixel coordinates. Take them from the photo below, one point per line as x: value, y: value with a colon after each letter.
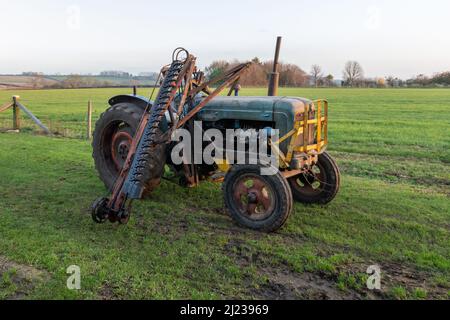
x: 393, y: 147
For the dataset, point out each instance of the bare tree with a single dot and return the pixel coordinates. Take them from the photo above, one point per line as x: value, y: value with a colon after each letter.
x: 422, y: 80
x: 390, y: 80
x: 353, y: 73
x: 442, y: 78
x: 316, y: 74
x: 255, y: 76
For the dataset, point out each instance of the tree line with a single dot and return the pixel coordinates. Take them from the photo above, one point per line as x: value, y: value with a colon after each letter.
x: 291, y: 75
x: 441, y: 79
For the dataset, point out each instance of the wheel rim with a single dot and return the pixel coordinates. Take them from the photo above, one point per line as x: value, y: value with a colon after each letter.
x: 115, y: 144
x: 311, y: 182
x: 120, y: 146
x: 253, y: 197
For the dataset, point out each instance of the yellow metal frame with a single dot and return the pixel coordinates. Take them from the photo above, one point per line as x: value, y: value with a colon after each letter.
x: 302, y: 127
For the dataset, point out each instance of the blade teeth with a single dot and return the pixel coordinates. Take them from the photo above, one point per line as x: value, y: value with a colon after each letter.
x: 144, y: 161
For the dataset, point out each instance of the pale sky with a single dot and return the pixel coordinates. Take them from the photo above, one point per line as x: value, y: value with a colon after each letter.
x: 388, y: 37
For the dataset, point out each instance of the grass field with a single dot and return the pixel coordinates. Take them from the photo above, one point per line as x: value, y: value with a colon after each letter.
x: 393, y: 147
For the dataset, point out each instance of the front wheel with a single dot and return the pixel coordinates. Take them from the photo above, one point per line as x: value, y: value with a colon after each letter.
x: 258, y: 202
x: 319, y: 185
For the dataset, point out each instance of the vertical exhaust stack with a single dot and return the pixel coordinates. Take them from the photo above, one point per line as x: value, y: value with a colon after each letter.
x: 275, y: 75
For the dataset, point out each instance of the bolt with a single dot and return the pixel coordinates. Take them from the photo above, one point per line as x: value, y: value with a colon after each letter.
x: 252, y: 198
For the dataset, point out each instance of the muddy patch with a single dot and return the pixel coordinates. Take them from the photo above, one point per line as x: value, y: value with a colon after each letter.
x: 279, y: 281
x: 107, y: 292
x: 17, y: 280
x: 402, y: 275
x: 282, y: 283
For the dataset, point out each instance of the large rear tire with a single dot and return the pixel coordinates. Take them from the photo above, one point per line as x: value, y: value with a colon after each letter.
x: 112, y: 139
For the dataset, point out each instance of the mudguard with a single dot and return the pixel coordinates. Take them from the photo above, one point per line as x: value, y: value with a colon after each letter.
x: 139, y: 101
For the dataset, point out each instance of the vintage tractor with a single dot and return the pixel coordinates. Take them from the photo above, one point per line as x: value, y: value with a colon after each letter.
x: 132, y: 147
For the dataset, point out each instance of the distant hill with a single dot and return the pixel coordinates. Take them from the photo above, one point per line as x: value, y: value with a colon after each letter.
x: 114, y: 81
x: 24, y: 82
x: 67, y: 81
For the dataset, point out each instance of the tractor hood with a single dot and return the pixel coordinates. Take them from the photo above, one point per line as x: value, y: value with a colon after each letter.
x: 270, y: 109
x: 278, y: 112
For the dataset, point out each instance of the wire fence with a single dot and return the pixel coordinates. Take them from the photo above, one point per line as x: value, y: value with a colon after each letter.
x: 58, y: 128
x: 76, y: 126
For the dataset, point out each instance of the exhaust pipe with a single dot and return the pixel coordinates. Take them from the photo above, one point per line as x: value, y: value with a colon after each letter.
x: 275, y: 75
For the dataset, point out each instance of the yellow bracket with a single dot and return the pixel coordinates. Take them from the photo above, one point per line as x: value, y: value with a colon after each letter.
x: 302, y: 128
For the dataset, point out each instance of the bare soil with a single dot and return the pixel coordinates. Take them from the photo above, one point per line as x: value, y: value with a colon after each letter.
x: 22, y: 278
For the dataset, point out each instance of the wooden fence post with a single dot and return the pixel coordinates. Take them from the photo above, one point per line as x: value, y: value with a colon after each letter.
x: 16, y: 113
x: 89, y: 120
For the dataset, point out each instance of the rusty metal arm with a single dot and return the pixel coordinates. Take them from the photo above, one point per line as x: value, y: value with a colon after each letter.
x: 226, y: 76
x: 188, y: 82
x: 229, y: 77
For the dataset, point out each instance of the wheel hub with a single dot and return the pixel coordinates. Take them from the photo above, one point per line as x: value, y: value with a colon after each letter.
x: 120, y: 147
x: 123, y: 149
x: 254, y: 197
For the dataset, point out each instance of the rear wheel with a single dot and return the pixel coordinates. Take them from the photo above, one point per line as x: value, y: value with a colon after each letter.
x: 258, y: 202
x: 319, y: 185
x: 113, y: 135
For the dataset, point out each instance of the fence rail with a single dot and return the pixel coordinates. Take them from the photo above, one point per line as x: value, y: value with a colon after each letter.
x: 52, y: 127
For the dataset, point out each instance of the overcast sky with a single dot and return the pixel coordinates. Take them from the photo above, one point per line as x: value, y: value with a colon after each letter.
x: 388, y: 37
